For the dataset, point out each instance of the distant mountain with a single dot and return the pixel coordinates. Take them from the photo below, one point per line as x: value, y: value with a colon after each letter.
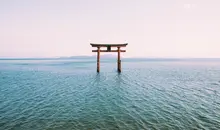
x: 75, y: 57
x: 110, y: 56
x: 88, y: 57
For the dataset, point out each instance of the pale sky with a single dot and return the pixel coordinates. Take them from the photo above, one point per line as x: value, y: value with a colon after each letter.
x: 152, y: 28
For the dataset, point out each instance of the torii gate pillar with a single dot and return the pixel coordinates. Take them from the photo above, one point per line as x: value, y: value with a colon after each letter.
x: 119, y: 60
x: 109, y: 46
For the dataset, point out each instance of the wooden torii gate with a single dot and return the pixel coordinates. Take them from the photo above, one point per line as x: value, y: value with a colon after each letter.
x: 109, y: 46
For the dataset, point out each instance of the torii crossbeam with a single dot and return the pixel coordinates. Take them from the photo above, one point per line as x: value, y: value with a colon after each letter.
x: 109, y: 46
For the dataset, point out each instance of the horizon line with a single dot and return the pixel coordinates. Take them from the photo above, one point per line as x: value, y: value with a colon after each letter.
x: 109, y: 56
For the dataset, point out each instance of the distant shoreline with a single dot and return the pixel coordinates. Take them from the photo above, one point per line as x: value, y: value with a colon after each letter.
x: 134, y: 59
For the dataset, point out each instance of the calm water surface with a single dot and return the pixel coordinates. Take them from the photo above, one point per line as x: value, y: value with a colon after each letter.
x: 69, y: 94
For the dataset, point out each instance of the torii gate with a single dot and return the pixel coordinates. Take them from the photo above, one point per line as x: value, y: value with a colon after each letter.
x: 108, y: 50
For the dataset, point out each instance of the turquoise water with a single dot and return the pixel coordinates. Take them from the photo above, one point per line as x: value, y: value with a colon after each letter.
x: 69, y: 94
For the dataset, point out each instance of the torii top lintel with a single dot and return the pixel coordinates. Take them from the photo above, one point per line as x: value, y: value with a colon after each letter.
x: 108, y: 45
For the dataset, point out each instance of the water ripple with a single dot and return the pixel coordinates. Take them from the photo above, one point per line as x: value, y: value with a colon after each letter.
x: 144, y: 96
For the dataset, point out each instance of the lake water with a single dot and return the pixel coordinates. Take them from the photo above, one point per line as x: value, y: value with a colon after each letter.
x: 69, y: 94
